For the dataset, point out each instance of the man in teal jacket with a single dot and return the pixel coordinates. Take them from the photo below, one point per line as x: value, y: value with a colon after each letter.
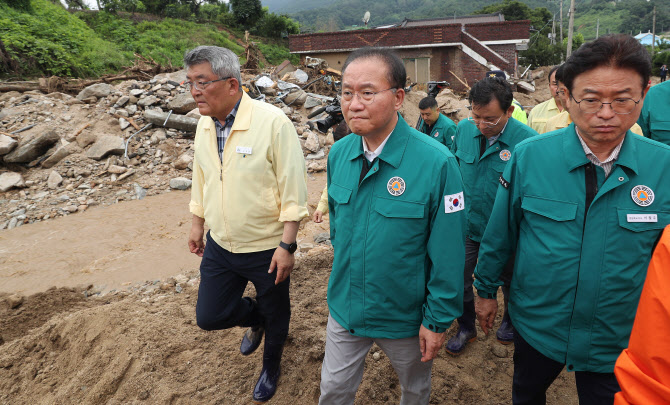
x: 655, y: 116
x: 582, y: 208
x: 397, y: 234
x: 483, y: 145
x: 434, y: 123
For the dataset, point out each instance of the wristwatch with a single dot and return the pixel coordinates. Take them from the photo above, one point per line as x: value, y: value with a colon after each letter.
x: 291, y: 247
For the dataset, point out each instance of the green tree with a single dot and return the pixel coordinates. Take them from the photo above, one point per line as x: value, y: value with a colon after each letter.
x: 276, y: 26
x: 247, y: 12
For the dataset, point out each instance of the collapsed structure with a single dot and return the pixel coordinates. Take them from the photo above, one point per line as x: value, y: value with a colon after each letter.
x: 459, y: 50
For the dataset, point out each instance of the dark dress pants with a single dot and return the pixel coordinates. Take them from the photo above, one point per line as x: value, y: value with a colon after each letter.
x: 534, y: 373
x: 223, y: 278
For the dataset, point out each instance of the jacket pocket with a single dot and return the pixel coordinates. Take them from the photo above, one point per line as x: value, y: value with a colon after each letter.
x: 465, y: 156
x: 399, y: 209
x: 662, y: 219
x: 340, y: 194
x: 553, y: 209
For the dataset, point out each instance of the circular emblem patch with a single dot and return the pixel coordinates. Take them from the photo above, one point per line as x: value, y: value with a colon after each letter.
x: 436, y: 134
x: 642, y: 195
x: 396, y: 186
x: 505, y: 155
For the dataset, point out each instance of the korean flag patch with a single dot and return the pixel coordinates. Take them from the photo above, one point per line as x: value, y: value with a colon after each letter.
x: 454, y: 203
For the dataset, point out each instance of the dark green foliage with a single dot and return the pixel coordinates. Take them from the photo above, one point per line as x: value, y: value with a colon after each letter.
x: 23, y: 5
x: 247, y: 12
x: 276, y: 26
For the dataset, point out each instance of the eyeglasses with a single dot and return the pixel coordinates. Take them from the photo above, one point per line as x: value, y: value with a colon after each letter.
x: 201, y: 85
x: 366, y: 97
x: 620, y: 106
x: 478, y: 121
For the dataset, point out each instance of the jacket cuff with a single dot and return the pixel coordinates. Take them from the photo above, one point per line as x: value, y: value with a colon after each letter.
x: 431, y: 326
x: 293, y: 214
x: 196, y: 209
x: 483, y: 292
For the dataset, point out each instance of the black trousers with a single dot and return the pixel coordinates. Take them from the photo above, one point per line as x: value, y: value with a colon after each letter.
x: 534, y: 373
x: 223, y: 278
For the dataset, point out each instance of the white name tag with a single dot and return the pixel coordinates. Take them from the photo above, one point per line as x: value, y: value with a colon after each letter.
x: 243, y: 149
x: 642, y: 217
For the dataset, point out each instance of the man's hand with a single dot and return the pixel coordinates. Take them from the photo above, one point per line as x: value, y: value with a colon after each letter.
x: 195, y: 240
x: 430, y: 343
x: 486, y: 310
x: 317, y: 217
x: 283, y: 261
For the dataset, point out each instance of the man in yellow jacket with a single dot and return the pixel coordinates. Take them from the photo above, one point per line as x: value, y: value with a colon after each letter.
x: 249, y: 185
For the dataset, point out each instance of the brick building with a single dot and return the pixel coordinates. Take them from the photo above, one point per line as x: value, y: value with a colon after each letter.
x: 431, y: 52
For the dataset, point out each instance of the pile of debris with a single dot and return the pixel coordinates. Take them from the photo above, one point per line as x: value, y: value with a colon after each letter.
x: 60, y: 154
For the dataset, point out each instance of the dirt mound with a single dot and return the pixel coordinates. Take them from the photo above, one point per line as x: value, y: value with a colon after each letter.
x: 144, y: 347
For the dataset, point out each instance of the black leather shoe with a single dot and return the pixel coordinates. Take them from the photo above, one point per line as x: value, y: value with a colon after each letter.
x: 456, y: 344
x: 251, y: 340
x: 267, y: 382
x: 505, y: 333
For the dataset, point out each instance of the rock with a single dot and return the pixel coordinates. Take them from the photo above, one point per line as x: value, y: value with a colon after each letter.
x: 15, y: 300
x: 311, y: 102
x: 123, y: 123
x: 7, y: 144
x: 306, y: 247
x: 54, y: 180
x: 11, y: 179
x: 180, y: 183
x: 268, y: 91
x: 300, y: 76
x: 315, y: 156
x: 86, y: 138
x: 183, y: 161
x: 295, y: 98
x: 106, y: 145
x: 157, y: 137
x: 312, y: 142
x: 182, y: 103
x: 376, y: 356
x: 147, y: 101
x: 33, y: 147
x: 264, y: 81
x: 316, y: 166
x: 95, y: 90
x: 121, y: 101
x: 116, y: 169
x: 194, y: 113
x: 140, y: 192
x: 13, y: 223
x: 122, y: 113
x: 132, y: 109
x: 175, y: 121
x: 287, y: 110
x: 60, y: 154
x: 136, y: 92
x: 321, y: 237
x: 499, y: 350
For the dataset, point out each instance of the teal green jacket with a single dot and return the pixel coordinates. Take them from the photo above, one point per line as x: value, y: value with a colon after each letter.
x: 578, y: 273
x: 399, y: 250
x: 481, y: 174
x: 655, y: 116
x: 443, y: 131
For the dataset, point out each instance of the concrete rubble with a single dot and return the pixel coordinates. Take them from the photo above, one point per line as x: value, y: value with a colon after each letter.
x: 60, y: 154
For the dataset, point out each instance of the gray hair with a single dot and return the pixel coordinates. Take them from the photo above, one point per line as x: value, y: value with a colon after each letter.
x: 223, y: 61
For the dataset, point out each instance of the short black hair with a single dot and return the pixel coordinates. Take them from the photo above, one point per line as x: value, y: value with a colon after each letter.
x: 396, y: 69
x: 559, y: 73
x: 485, y: 90
x: 617, y: 51
x: 551, y: 72
x: 427, y: 102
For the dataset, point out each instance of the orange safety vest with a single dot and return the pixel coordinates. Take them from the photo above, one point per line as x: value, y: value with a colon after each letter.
x: 643, y: 369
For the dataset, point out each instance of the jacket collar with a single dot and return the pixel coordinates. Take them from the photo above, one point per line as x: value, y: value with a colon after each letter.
x: 575, y: 156
x: 394, y: 148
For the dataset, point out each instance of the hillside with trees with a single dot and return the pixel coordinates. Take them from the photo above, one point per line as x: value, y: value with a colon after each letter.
x: 44, y: 38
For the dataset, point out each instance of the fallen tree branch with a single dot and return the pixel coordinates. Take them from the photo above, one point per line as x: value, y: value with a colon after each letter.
x: 459, y: 79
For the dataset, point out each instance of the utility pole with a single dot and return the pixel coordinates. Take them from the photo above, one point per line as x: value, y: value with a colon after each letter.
x: 561, y: 21
x: 653, y: 34
x: 553, y: 30
x: 571, y: 26
x: 597, y: 27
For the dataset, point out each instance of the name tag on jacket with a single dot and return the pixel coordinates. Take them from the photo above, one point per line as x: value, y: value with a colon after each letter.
x: 243, y: 149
